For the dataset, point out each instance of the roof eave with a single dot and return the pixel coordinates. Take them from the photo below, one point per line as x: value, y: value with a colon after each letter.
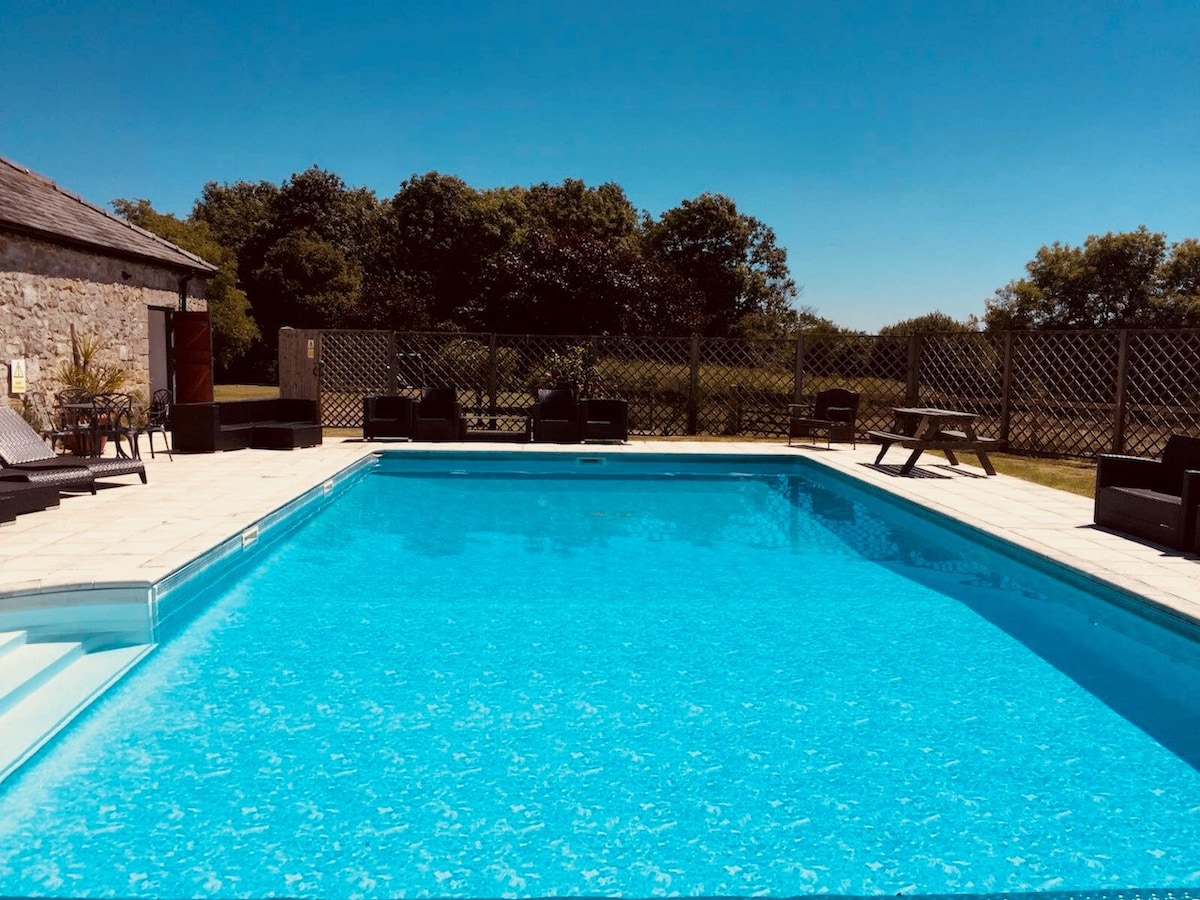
x: 200, y: 269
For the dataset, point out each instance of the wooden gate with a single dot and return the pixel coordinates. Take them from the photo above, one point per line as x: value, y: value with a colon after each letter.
x: 299, y: 364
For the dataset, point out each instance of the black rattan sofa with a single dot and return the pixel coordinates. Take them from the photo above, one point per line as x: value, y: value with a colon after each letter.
x: 282, y: 424
x: 1152, y: 499
x: 19, y: 497
x: 832, y: 415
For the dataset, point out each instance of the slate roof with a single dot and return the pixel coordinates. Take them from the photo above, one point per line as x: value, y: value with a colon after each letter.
x: 34, y: 205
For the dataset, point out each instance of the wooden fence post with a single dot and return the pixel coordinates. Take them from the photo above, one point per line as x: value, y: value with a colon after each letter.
x: 1118, y: 441
x: 392, y: 369
x: 799, y: 374
x: 693, y: 405
x: 1006, y: 387
x: 493, y: 377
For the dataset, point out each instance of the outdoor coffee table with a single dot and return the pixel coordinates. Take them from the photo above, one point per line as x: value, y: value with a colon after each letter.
x: 920, y: 429
x: 484, y: 426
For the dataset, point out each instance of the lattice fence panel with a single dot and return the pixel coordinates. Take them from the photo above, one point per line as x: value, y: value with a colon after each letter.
x: 744, y: 387
x: 1064, y: 388
x: 964, y: 372
x: 1063, y: 385
x: 875, y: 367
x: 538, y: 360
x: 653, y: 374
x: 1162, y: 389
x: 353, y: 365
x: 531, y: 361
x: 458, y: 360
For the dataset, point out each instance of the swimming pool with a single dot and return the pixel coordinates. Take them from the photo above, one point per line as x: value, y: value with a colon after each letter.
x: 517, y: 675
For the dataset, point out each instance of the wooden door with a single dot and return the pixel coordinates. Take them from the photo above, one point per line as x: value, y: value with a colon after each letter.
x: 192, y: 340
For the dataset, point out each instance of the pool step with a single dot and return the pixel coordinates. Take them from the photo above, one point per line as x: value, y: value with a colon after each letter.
x: 11, y: 640
x: 44, y: 686
x: 24, y: 668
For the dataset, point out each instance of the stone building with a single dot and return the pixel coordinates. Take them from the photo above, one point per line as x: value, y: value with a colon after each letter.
x: 67, y: 265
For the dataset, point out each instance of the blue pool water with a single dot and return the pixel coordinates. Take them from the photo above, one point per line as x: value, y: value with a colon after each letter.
x: 743, y: 678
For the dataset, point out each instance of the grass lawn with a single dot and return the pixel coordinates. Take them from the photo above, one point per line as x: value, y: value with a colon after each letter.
x: 244, y: 392
x: 1075, y: 475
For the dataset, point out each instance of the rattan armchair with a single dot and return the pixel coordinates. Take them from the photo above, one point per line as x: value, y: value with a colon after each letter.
x: 438, y: 416
x: 556, y: 416
x: 387, y: 416
x: 833, y: 415
x: 603, y: 419
x: 1152, y: 499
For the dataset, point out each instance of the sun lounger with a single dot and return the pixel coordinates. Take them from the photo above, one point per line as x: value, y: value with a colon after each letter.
x: 69, y: 475
x: 25, y: 456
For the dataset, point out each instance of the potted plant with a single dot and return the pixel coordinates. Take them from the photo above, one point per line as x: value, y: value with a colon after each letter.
x: 86, y: 374
x: 573, y: 369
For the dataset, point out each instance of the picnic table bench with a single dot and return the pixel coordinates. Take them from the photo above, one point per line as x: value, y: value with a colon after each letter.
x: 947, y: 430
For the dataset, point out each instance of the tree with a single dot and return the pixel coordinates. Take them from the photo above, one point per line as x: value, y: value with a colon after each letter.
x: 274, y: 230
x: 434, y: 238
x: 233, y: 328
x: 785, y: 324
x: 441, y: 254
x: 319, y: 203
x: 931, y: 323
x: 1179, y: 300
x: 581, y: 284
x: 1112, y: 281
x: 236, y: 214
x: 306, y: 282
x: 731, y: 258
x: 574, y: 209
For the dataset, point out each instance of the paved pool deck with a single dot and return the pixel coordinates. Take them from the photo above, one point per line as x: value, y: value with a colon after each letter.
x: 135, y: 533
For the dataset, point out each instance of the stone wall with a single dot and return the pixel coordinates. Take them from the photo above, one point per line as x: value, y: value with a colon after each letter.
x: 46, y: 288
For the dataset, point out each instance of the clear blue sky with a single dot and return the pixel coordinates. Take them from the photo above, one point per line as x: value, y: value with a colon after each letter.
x: 910, y: 156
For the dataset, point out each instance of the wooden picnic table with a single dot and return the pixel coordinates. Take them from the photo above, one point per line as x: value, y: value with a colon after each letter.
x: 920, y: 429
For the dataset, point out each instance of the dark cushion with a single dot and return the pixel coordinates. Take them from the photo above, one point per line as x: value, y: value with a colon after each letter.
x: 557, y: 404
x: 438, y: 403
x: 1180, y: 454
